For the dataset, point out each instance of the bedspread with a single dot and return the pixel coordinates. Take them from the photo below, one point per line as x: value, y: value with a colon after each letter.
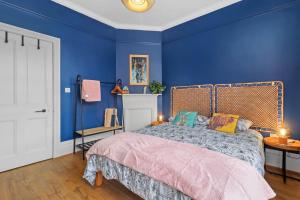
x: 246, y: 146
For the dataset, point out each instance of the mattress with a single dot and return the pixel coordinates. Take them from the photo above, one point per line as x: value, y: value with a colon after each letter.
x: 246, y: 146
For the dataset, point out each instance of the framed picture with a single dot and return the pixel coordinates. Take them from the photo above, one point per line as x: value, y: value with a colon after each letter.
x: 139, y: 69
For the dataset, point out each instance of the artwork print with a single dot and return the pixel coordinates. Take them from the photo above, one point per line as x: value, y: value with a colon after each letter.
x: 139, y: 69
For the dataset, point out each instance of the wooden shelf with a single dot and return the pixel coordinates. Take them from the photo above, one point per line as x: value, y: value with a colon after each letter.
x: 98, y: 130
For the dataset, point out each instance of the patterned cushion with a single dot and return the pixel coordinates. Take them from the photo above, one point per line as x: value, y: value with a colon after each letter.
x: 202, y: 120
x: 171, y: 119
x: 223, y: 122
x: 185, y: 119
x: 243, y: 125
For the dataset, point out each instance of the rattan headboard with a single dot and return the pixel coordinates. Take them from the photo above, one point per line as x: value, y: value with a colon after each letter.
x: 197, y: 98
x: 262, y: 103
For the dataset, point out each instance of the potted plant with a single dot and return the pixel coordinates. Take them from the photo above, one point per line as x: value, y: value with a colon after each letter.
x: 156, y: 87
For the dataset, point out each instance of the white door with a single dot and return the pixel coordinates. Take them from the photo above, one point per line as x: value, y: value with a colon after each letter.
x: 26, y: 101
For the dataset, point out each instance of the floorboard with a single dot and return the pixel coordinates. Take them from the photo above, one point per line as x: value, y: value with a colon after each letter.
x: 61, y: 178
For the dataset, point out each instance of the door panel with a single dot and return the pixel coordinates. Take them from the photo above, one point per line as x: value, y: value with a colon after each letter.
x: 36, y: 74
x: 7, y: 72
x: 8, y: 134
x: 36, y: 138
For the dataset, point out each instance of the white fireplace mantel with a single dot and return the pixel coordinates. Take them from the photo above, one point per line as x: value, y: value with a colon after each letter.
x: 139, y: 110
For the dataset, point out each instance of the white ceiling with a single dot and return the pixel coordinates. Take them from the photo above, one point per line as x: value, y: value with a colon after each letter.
x: 163, y: 15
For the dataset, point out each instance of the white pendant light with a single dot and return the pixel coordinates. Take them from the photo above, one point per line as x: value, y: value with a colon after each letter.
x: 138, y: 5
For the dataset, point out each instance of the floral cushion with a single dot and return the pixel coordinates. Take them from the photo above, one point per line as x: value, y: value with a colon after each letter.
x: 223, y: 122
x: 184, y: 118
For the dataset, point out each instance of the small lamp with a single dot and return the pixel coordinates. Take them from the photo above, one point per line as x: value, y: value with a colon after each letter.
x: 160, y: 118
x: 283, y: 135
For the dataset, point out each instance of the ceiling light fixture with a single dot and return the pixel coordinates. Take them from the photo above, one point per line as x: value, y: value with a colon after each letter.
x: 138, y: 5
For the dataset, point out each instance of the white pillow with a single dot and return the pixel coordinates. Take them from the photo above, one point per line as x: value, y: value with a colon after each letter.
x: 243, y: 125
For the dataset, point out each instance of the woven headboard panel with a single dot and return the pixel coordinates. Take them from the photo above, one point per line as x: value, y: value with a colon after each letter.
x: 261, y: 103
x: 197, y: 98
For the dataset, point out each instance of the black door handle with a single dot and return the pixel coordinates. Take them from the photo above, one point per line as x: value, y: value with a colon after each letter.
x: 41, y: 111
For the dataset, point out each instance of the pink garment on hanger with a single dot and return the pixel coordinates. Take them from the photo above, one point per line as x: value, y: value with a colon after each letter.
x: 91, y: 91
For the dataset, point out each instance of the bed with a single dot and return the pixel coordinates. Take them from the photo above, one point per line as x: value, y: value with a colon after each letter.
x: 206, y: 99
x: 244, y: 145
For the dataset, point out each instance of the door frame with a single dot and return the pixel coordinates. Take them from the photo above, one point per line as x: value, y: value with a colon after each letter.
x: 56, y: 77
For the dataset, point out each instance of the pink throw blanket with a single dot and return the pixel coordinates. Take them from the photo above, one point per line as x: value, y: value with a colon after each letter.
x: 91, y: 90
x: 197, y: 172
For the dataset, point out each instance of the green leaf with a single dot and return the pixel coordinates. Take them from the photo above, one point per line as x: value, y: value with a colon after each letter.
x: 156, y: 87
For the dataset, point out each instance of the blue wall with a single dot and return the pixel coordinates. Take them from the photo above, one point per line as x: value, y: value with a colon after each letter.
x: 246, y: 42
x: 139, y: 42
x: 87, y: 47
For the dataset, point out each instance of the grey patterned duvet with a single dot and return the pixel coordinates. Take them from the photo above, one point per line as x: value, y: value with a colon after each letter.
x: 245, y: 146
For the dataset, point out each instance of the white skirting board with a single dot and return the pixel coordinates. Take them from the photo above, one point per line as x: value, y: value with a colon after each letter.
x: 273, y: 158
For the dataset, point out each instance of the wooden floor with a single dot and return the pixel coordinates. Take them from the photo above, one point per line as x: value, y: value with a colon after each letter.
x: 61, y: 178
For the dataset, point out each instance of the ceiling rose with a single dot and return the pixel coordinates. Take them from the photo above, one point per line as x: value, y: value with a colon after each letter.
x: 138, y: 5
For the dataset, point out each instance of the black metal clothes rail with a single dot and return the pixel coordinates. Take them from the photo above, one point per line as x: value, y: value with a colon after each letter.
x: 82, y: 133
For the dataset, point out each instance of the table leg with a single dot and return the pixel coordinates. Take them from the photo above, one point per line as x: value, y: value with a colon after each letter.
x: 265, y: 153
x: 74, y: 143
x: 284, y: 166
x: 82, y: 140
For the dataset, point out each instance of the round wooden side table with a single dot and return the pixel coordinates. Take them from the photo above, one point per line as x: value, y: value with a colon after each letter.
x: 157, y: 123
x: 293, y: 146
